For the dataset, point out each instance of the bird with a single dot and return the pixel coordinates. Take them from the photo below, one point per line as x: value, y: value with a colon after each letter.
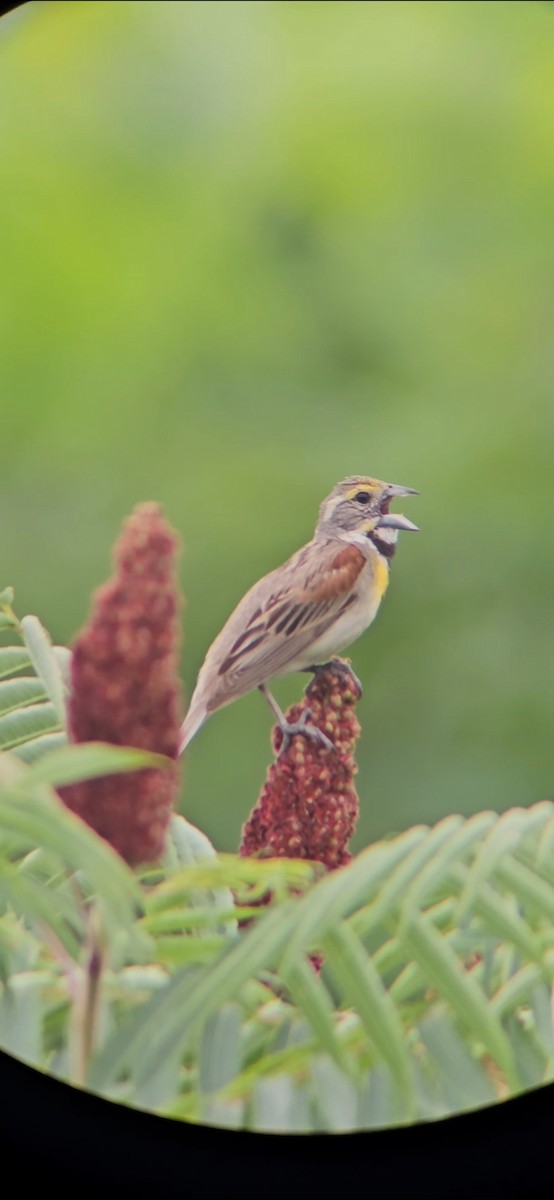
x: 302, y: 614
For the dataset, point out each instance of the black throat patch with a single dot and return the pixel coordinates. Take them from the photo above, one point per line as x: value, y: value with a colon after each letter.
x: 387, y: 549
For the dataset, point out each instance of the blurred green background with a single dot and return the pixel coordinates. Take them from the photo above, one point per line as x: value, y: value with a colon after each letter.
x: 249, y: 249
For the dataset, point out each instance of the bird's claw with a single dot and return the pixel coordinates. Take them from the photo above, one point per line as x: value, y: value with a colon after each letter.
x: 339, y: 667
x: 308, y: 731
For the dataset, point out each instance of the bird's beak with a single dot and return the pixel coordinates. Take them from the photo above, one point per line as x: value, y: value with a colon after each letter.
x: 397, y: 521
x: 395, y: 489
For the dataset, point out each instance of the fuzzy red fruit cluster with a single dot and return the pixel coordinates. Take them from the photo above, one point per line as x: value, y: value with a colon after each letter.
x: 308, y: 805
x: 126, y: 689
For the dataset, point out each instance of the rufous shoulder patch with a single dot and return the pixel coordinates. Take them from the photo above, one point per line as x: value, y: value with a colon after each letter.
x: 339, y: 576
x: 350, y: 559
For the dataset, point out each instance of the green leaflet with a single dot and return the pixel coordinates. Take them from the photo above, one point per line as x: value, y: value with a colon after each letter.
x: 45, y: 663
x: 460, y: 989
x: 27, y: 723
x: 90, y: 760
x: 16, y: 693
x: 38, y: 747
x: 32, y: 707
x: 190, y: 998
x: 12, y: 660
x: 32, y: 814
x: 363, y: 991
x: 313, y: 1000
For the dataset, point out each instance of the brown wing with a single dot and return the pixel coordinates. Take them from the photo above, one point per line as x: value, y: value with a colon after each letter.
x: 278, y: 620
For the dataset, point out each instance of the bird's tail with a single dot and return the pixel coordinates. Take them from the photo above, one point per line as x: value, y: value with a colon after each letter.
x: 195, y: 717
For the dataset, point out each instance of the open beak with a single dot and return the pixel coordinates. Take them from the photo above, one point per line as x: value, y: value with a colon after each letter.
x: 398, y: 520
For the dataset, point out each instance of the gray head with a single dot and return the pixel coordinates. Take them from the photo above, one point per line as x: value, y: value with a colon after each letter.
x: 359, y: 506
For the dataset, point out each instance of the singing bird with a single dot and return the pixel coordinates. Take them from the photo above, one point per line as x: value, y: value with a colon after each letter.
x: 310, y: 608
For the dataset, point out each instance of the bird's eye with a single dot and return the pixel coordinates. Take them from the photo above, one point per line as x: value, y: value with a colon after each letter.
x: 362, y: 497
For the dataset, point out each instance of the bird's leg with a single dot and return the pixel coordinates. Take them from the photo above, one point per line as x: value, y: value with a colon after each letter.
x: 289, y: 731
x: 337, y: 666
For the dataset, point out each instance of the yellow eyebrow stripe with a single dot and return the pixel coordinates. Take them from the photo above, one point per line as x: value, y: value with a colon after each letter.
x: 363, y: 487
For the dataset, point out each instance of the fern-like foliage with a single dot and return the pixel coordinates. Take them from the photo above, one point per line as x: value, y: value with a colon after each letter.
x: 33, y: 685
x: 178, y: 991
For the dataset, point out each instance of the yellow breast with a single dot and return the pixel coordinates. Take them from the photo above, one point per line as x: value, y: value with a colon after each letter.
x: 371, y: 588
x: 381, y: 575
